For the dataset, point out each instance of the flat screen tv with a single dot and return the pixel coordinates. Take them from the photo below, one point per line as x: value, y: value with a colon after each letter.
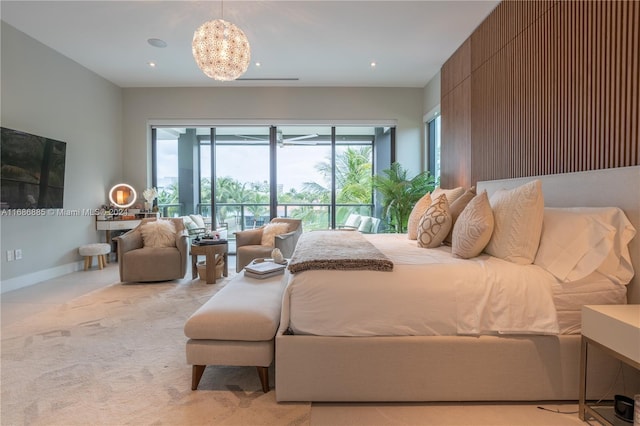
x: 32, y: 173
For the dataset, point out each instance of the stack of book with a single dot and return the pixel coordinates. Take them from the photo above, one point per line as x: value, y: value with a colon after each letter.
x: 264, y: 269
x: 208, y: 241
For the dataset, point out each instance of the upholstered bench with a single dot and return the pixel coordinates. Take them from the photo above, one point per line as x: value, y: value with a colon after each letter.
x: 237, y: 326
x: 99, y: 250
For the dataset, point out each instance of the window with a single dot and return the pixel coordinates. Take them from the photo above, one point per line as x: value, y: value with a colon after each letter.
x: 433, y: 146
x: 249, y: 174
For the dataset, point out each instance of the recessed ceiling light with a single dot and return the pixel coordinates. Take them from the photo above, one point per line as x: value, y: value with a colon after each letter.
x: 152, y: 64
x: 258, y: 64
x: 373, y: 64
x: 156, y: 42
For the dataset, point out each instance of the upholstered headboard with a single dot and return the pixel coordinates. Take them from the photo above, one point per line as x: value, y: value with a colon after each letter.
x: 619, y: 187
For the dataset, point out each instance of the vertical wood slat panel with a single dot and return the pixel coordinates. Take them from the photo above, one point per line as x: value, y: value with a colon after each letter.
x: 554, y: 88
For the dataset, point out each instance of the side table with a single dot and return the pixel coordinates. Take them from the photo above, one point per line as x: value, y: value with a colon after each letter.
x: 210, y: 251
x: 615, y: 329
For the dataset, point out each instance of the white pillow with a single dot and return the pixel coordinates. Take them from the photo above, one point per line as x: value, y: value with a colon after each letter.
x: 418, y: 210
x: 577, y: 241
x: 353, y: 221
x: 158, y: 233
x: 518, y: 215
x: 365, y: 224
x: 472, y: 231
x: 270, y: 231
x: 434, y: 224
x: 198, y: 220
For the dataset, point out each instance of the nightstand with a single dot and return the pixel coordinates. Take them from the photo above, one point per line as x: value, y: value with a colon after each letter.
x: 615, y: 329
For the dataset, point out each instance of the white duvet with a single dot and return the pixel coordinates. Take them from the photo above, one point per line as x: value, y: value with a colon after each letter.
x: 429, y: 292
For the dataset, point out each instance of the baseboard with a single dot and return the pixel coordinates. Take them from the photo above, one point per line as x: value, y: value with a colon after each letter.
x: 39, y: 276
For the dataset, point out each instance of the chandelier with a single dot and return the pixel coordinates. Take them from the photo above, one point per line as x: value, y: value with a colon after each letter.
x: 221, y: 50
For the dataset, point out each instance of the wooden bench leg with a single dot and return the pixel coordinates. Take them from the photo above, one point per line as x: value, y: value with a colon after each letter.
x: 263, y: 372
x: 87, y: 262
x: 196, y: 375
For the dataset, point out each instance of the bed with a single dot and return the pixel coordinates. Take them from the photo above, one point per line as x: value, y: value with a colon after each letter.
x: 469, y: 356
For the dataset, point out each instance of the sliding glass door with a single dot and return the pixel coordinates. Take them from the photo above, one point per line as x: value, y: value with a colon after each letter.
x: 242, y: 175
x: 239, y: 177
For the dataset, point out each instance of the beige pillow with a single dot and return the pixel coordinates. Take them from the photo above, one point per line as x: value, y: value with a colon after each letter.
x: 457, y: 207
x: 270, y: 231
x: 158, y: 234
x: 518, y: 215
x: 472, y: 231
x: 416, y: 214
x: 452, y: 194
x: 434, y: 224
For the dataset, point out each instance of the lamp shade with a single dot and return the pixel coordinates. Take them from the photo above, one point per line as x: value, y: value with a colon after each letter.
x: 221, y: 50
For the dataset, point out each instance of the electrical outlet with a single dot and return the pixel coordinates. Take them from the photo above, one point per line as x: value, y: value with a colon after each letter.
x: 9, y: 255
x: 17, y: 254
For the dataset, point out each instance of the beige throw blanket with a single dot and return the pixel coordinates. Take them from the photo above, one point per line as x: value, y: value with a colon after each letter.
x: 341, y: 250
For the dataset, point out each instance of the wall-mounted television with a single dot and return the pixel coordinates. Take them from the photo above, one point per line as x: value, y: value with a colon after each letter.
x: 32, y: 171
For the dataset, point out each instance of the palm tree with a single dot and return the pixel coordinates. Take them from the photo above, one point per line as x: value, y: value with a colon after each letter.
x: 399, y: 193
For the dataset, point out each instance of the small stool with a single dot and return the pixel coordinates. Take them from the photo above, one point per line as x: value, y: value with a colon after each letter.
x: 90, y: 250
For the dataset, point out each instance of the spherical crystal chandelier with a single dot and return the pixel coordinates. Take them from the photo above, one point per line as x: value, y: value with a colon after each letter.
x: 221, y: 50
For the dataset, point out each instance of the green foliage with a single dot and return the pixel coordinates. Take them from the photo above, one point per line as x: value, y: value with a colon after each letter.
x: 399, y: 193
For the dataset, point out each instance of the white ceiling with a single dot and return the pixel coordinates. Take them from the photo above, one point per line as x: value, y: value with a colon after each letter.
x: 322, y: 43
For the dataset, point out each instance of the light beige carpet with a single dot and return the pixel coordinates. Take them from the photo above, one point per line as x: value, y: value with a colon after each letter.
x: 116, y: 357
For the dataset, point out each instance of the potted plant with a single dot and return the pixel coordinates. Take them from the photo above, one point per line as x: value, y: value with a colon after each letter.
x: 400, y: 193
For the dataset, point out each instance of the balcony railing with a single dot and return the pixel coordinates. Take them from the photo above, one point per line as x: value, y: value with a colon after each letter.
x: 241, y: 216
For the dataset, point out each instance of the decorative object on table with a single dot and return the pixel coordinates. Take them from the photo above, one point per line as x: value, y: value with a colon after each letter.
x: 277, y: 256
x: 122, y: 195
x: 221, y: 50
x: 149, y: 194
x: 262, y: 268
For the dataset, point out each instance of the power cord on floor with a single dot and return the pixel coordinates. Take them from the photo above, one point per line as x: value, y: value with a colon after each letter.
x: 557, y: 411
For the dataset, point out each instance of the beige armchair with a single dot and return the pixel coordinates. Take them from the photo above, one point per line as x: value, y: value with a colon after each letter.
x: 249, y: 243
x: 138, y: 263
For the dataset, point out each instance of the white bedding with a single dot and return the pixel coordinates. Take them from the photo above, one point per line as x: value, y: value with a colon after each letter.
x: 595, y: 289
x: 428, y: 293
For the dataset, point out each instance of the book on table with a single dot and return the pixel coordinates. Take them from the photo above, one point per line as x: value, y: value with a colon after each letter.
x: 264, y: 269
x: 263, y: 276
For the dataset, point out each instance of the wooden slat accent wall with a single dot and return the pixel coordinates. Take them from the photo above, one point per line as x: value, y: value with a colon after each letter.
x: 545, y: 87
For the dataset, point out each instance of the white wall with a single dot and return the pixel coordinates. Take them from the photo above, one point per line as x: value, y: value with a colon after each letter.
x: 47, y: 94
x: 432, y: 97
x: 274, y: 103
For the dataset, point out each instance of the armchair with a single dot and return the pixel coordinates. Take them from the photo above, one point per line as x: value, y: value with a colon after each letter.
x: 138, y: 263
x: 249, y: 243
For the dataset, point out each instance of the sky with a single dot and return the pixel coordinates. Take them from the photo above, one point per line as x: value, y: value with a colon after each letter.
x: 251, y: 163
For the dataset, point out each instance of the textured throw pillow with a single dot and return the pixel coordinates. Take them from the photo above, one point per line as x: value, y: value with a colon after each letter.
x: 416, y: 214
x: 457, y: 207
x: 518, y: 215
x: 472, y: 231
x: 158, y: 234
x: 452, y: 194
x: 270, y: 231
x: 434, y: 224
x: 198, y: 220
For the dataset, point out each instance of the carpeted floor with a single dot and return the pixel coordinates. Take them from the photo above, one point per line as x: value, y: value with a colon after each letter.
x: 116, y: 357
